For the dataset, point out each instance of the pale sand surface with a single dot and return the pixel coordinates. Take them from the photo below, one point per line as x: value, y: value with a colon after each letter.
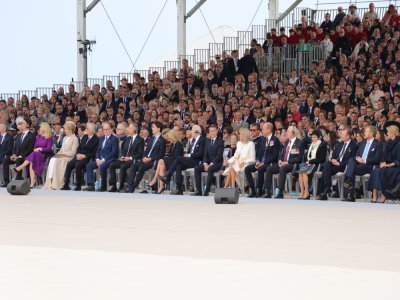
x: 68, y: 245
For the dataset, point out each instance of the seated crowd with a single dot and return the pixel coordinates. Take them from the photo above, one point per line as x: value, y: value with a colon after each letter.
x: 239, y: 121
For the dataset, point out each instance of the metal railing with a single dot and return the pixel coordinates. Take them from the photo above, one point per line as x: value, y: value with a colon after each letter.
x: 293, y: 57
x: 276, y: 61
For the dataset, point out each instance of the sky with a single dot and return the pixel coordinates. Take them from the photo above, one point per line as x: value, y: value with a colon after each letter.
x: 39, y: 37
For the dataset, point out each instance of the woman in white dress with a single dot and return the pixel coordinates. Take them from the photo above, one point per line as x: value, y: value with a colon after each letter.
x: 57, y: 165
x: 245, y: 155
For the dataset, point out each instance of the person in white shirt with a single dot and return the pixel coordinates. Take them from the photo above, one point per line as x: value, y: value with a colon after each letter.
x: 245, y: 155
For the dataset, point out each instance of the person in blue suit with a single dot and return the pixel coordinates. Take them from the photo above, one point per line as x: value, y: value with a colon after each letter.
x: 107, y: 152
x: 268, y: 155
x: 341, y: 155
x: 6, y: 142
x: 155, y: 151
x: 189, y: 160
x: 368, y: 156
x: 386, y: 178
x: 211, y: 162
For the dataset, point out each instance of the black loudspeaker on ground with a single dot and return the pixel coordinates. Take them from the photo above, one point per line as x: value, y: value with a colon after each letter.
x: 226, y: 196
x: 18, y: 187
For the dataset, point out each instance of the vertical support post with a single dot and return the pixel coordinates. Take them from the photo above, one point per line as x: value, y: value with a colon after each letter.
x: 273, y: 9
x: 181, y: 30
x: 81, y: 41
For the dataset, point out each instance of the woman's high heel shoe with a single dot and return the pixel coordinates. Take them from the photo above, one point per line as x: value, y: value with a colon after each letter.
x: 161, y: 191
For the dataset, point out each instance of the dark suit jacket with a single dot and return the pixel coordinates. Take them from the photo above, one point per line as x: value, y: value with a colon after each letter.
x: 204, y: 85
x: 374, y: 153
x: 198, y: 151
x: 231, y: 70
x: 296, y: 152
x: 269, y: 154
x: 135, y: 150
x: 350, y: 152
x: 249, y: 120
x: 88, y: 148
x: 6, y: 147
x: 320, y: 156
x: 188, y: 91
x: 127, y: 100
x: 158, y: 150
x: 27, y: 145
x: 110, y: 149
x: 247, y: 65
x: 258, y: 141
x: 174, y: 151
x: 104, y: 107
x: 213, y: 154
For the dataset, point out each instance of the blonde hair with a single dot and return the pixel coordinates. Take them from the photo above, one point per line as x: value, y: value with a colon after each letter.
x: 245, y: 135
x: 45, y: 130
x: 173, y: 136
x: 393, y: 130
x: 70, y: 125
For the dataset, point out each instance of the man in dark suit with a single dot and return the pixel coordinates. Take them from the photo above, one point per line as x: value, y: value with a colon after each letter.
x: 23, y: 146
x: 212, y: 161
x: 204, y: 82
x: 247, y: 65
x: 367, y: 157
x: 291, y: 154
x: 125, y: 99
x: 131, y: 153
x: 267, y: 155
x: 6, y: 142
x: 155, y: 150
x: 341, y: 155
x: 189, y: 160
x: 189, y: 86
x: 86, y: 153
x: 108, y: 104
x: 232, y: 66
x: 107, y: 152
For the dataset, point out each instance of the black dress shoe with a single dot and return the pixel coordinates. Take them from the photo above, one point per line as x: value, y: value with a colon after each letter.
x: 177, y: 192
x: 90, y: 188
x: 349, y: 198
x: 65, y: 188
x: 102, y: 189
x: 335, y: 195
x: 206, y: 194
x: 279, y: 196
x: 252, y: 195
x: 196, y: 194
x: 322, y: 197
x: 267, y: 195
x: 113, y: 189
x: 259, y: 195
x: 144, y: 192
x: 77, y: 188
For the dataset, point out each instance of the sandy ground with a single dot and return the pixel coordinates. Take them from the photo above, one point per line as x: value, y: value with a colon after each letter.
x: 67, y: 245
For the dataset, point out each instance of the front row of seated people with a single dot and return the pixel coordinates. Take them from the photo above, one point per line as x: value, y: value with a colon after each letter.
x: 135, y: 156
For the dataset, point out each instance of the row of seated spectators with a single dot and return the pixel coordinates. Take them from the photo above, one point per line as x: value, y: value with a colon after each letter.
x: 360, y: 90
x: 260, y: 150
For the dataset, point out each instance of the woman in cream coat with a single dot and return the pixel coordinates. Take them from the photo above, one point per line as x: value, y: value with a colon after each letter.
x: 245, y: 155
x: 57, y: 165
